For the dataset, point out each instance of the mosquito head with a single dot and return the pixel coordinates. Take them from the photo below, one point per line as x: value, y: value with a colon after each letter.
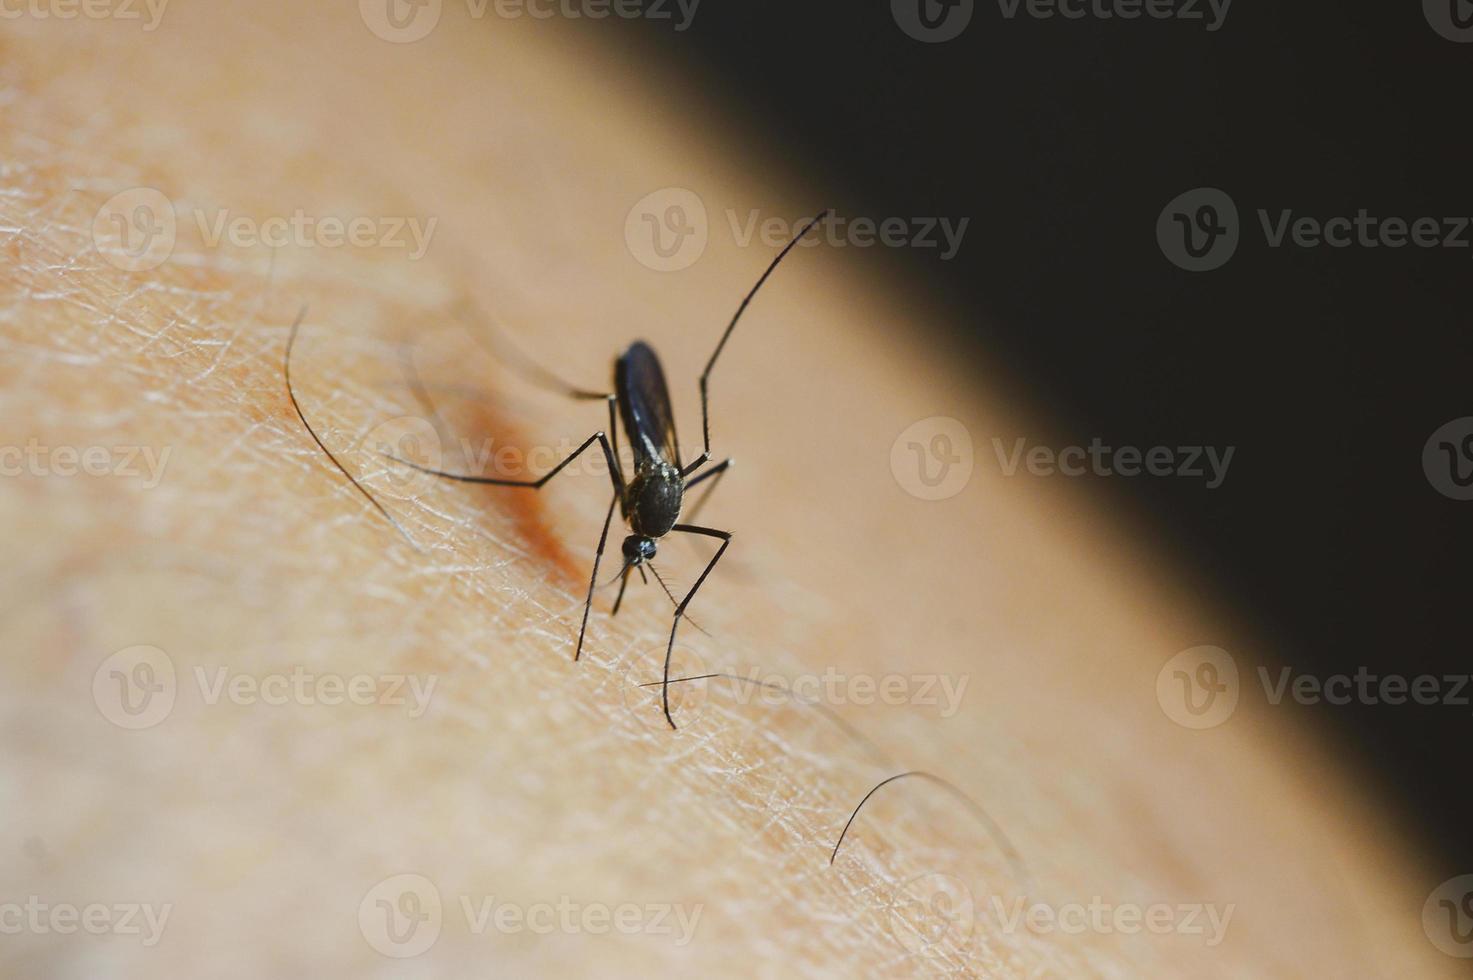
x: 638, y: 548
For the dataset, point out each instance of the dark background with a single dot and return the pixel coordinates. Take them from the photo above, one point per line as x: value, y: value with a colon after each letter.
x: 1328, y: 369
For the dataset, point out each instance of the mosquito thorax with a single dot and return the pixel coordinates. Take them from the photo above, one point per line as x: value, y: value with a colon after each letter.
x: 653, y: 499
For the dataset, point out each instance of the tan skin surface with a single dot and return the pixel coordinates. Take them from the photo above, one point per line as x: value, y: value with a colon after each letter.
x: 266, y: 826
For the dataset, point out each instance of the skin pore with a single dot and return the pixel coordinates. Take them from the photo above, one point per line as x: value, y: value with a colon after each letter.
x: 350, y: 706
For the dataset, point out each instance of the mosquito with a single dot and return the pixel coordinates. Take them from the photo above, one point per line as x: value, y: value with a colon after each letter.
x: 651, y: 498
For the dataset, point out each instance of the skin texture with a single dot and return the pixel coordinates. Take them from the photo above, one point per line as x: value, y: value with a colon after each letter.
x: 266, y: 827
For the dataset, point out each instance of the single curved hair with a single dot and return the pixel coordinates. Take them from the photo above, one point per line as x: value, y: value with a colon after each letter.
x: 822, y: 708
x: 286, y: 370
x: 994, y: 830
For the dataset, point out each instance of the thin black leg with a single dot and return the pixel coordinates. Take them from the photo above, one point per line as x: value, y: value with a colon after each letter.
x: 614, y: 433
x: 718, y: 471
x: 603, y: 539
x: 615, y: 474
x: 616, y: 477
x: 709, y: 532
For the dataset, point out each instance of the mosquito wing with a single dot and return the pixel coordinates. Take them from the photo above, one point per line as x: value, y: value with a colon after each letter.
x: 644, y: 405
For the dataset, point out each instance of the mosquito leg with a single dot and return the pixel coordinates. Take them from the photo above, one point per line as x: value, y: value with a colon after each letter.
x: 614, y: 432
x: 603, y: 539
x: 725, y: 537
x: 718, y: 471
x: 615, y: 477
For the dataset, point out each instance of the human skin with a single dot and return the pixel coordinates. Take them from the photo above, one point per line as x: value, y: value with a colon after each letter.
x: 267, y: 827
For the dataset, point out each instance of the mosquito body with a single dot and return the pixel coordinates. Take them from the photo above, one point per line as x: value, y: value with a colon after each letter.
x: 651, y: 497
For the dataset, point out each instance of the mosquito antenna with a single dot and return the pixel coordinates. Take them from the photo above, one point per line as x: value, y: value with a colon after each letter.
x: 286, y: 369
x: 822, y: 708
x: 721, y: 344
x: 623, y: 569
x: 1014, y: 859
